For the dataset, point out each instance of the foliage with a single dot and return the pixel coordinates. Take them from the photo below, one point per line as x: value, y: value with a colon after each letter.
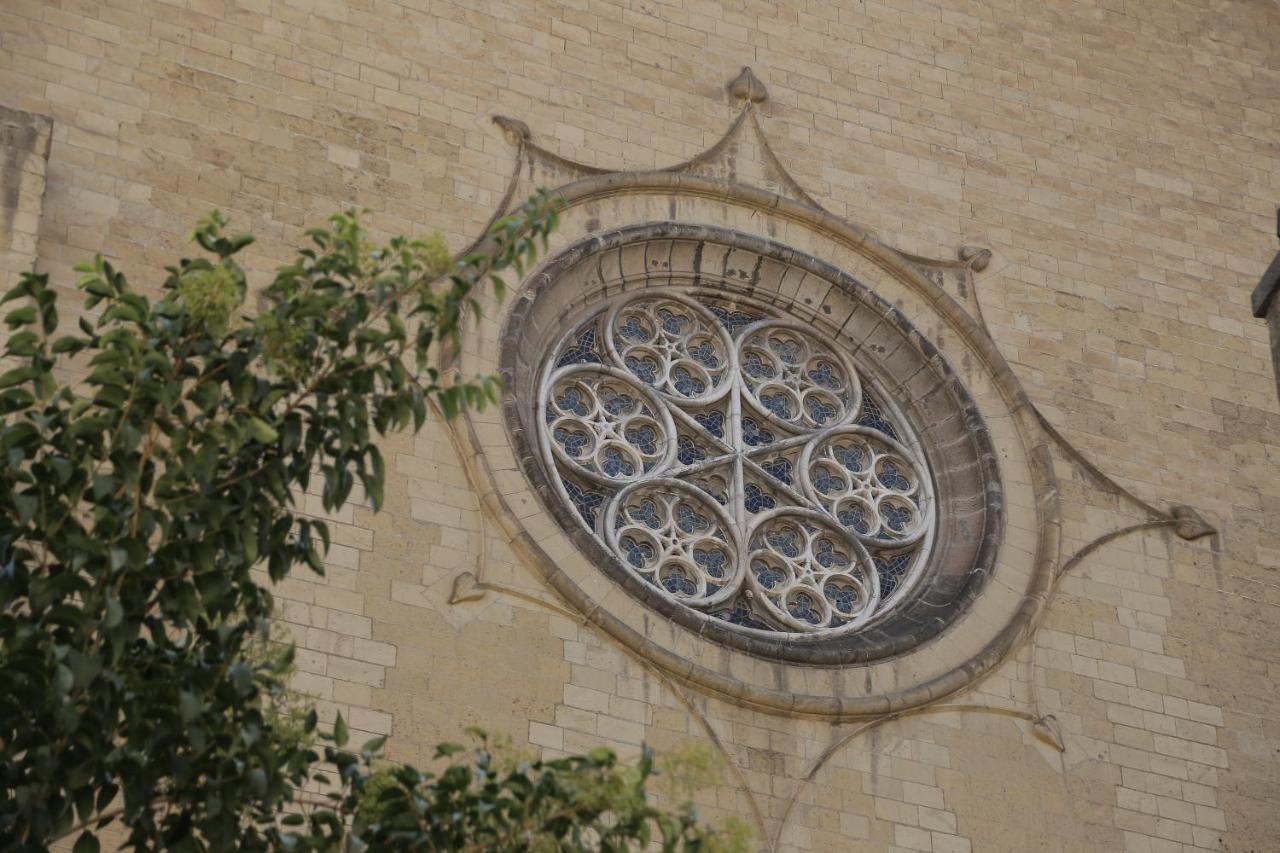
x: 134, y: 689
x: 589, y: 802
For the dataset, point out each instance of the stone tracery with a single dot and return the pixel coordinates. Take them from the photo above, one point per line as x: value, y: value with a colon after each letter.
x: 732, y: 459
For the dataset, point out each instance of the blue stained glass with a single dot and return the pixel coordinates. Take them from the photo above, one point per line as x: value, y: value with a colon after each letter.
x: 754, y: 365
x: 872, y: 416
x: 678, y: 582
x: 645, y: 439
x: 705, y: 354
x: 615, y: 403
x: 586, y: 501
x: 583, y: 350
x: 686, y: 383
x: 712, y: 562
x: 779, y: 404
x: 617, y: 465
x: 805, y: 608
x: 897, y: 518
x: 825, y: 482
x: 780, y: 468
x: 672, y: 323
x: 571, y: 440
x: 688, y: 452
x: 570, y: 400
x: 712, y: 422
x: 647, y: 511
x: 826, y: 375
x: 645, y: 368
x: 891, y: 478
x: 854, y: 516
x: 850, y: 456
x: 741, y: 614
x: 768, y: 576
x: 784, y: 541
x: 828, y: 556
x: 690, y: 521
x: 754, y: 434
x: 733, y: 320
x: 758, y: 501
x: 639, y: 554
x: 788, y: 351
x: 820, y: 411
x: 891, y: 569
x: 634, y: 329
x: 843, y: 598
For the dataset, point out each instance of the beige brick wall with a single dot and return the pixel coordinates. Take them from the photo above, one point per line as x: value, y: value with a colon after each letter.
x: 1121, y: 160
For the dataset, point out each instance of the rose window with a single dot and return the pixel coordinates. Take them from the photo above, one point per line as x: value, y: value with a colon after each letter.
x: 736, y: 461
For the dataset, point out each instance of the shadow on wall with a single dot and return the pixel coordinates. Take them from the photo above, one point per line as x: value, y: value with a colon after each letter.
x: 1267, y: 306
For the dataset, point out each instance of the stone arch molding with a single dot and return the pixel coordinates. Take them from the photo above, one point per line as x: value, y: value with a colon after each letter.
x: 733, y: 220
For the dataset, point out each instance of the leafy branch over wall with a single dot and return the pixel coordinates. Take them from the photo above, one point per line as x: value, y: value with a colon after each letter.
x: 134, y: 505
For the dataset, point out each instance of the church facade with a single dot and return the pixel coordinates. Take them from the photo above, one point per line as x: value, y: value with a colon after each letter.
x: 887, y: 415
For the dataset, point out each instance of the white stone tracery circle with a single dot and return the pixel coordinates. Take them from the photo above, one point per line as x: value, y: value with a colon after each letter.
x: 731, y: 458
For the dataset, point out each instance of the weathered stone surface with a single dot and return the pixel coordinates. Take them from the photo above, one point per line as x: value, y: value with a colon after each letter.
x: 1118, y: 162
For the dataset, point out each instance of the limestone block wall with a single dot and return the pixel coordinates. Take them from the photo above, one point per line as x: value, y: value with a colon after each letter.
x: 1120, y: 161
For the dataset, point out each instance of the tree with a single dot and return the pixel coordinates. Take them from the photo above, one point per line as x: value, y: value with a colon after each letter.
x: 133, y: 507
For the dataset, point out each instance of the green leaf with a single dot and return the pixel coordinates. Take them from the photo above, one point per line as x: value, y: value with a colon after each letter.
x: 270, y: 399
x: 340, y: 734
x: 23, y: 316
x: 23, y: 343
x: 115, y: 613
x: 84, y: 803
x: 64, y: 678
x: 26, y: 505
x: 444, y: 750
x: 19, y: 374
x: 262, y: 432
x: 189, y: 706
x: 86, y: 843
x: 373, y: 747
x: 258, y: 781
x: 69, y: 343
x: 241, y: 677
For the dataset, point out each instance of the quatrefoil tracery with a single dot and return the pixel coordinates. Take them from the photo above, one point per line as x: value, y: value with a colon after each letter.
x: 730, y: 458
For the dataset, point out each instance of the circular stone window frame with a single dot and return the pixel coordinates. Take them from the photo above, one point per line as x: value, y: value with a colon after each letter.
x: 775, y: 643
x: 958, y: 566
x: 990, y: 623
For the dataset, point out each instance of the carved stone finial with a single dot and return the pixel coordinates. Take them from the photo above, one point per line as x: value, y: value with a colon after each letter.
x: 746, y: 87
x: 977, y: 257
x: 1191, y: 524
x: 516, y: 130
x: 1047, y: 729
x: 466, y: 587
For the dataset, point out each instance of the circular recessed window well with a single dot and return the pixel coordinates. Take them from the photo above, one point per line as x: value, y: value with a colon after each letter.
x: 757, y: 447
